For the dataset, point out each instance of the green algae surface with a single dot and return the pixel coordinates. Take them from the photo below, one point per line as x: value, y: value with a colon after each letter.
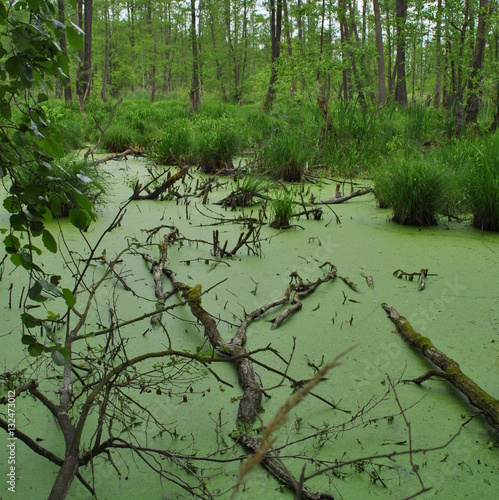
x: 458, y: 311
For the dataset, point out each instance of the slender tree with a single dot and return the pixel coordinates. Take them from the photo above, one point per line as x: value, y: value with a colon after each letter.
x: 475, y: 78
x: 399, y: 69
x: 194, y: 92
x: 381, y: 56
x: 275, y: 7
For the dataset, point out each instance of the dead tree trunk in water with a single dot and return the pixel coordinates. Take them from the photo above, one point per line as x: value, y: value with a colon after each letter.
x: 449, y: 369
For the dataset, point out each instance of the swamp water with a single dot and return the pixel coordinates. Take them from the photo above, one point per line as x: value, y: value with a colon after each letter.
x: 458, y: 311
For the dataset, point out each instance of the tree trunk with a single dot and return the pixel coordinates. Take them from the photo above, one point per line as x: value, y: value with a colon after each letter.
x: 399, y: 69
x: 106, y: 52
x: 68, y: 97
x: 475, y: 79
x: 86, y: 72
x: 287, y: 24
x: 194, y: 92
x: 389, y: 50
x: 275, y: 38
x: 232, y: 51
x: 438, y: 60
x: 381, y: 57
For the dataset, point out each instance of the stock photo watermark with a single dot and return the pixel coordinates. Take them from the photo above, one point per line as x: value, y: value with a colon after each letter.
x: 11, y: 442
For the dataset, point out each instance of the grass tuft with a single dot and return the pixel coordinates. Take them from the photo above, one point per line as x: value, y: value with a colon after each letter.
x: 414, y: 188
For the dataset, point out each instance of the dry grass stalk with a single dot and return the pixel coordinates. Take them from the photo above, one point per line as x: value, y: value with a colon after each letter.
x: 280, y: 419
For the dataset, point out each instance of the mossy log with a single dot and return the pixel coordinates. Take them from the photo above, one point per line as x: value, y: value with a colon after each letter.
x: 448, y: 369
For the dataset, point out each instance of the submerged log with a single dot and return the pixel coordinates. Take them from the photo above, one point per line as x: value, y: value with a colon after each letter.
x: 448, y: 369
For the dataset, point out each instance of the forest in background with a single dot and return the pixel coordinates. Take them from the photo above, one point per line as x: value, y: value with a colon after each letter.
x: 444, y: 53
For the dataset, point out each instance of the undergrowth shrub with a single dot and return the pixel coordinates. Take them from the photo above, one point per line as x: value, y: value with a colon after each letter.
x: 73, y: 183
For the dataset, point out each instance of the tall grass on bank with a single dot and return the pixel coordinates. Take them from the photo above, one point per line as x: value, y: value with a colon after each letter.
x: 413, y: 187
x: 482, y: 184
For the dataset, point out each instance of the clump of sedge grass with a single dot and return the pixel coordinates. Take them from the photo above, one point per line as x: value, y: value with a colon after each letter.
x: 482, y: 185
x: 285, y: 156
x: 281, y: 207
x: 414, y: 188
x: 174, y: 146
x: 247, y: 189
x: 119, y: 137
x: 215, y: 143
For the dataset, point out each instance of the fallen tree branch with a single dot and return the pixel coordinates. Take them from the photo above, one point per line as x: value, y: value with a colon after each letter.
x: 119, y: 156
x: 250, y: 401
x: 154, y: 195
x: 449, y: 369
x: 342, y: 199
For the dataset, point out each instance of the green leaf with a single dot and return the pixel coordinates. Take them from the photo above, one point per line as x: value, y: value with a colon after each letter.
x: 58, y: 358
x: 5, y: 110
x: 49, y: 241
x: 42, y: 98
x: 35, y: 291
x: 69, y: 297
x: 74, y: 38
x: 84, y: 178
x: 55, y: 279
x: 51, y: 147
x: 36, y: 227
x: 35, y: 349
x: 12, y: 205
x: 27, y: 73
x: 12, y: 243
x: 79, y: 218
x: 15, y: 259
x: 20, y: 138
x: 46, y: 213
x: 18, y: 222
x: 30, y: 321
x: 28, y: 340
x: 35, y: 130
x: 64, y: 352
x: 50, y: 288
x: 57, y: 25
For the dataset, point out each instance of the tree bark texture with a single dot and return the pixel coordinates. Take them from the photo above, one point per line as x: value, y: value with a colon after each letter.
x: 275, y: 38
x: 475, y: 79
x: 381, y: 57
x: 399, y: 69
